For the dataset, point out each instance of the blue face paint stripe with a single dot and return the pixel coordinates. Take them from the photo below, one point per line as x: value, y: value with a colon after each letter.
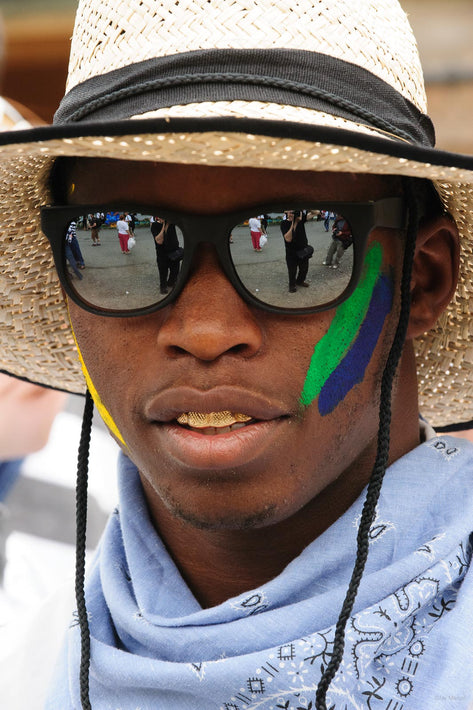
x: 346, y: 323
x: 351, y: 369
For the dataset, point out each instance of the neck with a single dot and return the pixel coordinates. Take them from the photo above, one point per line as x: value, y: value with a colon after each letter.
x: 220, y: 564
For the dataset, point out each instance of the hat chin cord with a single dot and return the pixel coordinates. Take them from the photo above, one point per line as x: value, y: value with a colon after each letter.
x: 382, y: 452
x: 81, y: 529
x: 369, y: 506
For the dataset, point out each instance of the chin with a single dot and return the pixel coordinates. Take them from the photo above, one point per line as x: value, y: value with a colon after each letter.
x: 224, y: 519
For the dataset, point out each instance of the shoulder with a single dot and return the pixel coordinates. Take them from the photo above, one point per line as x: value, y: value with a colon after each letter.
x: 285, y: 226
x: 433, y: 484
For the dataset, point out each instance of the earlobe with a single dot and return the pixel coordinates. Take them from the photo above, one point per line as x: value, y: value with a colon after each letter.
x: 434, y: 272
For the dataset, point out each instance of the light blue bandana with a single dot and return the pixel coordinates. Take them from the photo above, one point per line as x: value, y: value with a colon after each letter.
x: 409, y: 643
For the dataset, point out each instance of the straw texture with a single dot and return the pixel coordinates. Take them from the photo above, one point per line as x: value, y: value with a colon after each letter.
x: 114, y: 33
x: 259, y: 109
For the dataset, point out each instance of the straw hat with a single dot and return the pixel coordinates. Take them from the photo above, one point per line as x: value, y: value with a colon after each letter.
x: 300, y: 84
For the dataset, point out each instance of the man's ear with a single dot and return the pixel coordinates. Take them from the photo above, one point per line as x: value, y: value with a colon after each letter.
x: 434, y: 272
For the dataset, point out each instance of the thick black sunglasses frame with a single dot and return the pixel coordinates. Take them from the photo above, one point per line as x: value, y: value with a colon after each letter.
x: 363, y: 217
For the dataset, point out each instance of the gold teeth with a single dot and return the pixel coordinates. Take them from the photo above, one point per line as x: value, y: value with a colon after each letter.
x: 199, y: 420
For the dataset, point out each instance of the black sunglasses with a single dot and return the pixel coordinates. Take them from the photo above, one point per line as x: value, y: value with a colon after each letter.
x: 152, y: 273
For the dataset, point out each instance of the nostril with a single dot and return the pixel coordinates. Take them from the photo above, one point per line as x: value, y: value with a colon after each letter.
x: 239, y: 349
x: 210, y: 343
x: 208, y: 350
x: 176, y: 350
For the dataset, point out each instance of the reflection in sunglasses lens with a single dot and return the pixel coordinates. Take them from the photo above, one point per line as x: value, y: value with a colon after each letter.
x: 292, y: 259
x: 135, y: 262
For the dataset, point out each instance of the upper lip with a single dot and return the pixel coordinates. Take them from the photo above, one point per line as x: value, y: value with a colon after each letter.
x: 170, y: 403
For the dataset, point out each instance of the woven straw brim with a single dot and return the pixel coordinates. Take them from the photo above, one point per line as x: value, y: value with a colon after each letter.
x: 35, y: 336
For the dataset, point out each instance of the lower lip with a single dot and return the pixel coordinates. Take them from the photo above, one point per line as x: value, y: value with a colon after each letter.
x: 219, y: 451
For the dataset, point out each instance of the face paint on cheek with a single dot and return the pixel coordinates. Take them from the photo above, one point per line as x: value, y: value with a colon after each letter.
x: 341, y: 357
x: 351, y: 370
x: 103, y: 411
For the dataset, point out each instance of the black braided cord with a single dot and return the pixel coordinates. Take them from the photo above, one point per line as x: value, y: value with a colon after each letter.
x: 81, y: 525
x: 382, y: 454
x: 235, y: 78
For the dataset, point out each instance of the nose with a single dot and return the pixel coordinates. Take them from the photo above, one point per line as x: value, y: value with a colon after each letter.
x: 209, y: 318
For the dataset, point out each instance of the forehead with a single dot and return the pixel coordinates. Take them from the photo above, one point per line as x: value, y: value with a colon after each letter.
x: 209, y: 189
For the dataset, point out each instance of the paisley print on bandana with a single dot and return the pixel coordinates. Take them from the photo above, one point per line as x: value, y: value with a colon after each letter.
x: 154, y: 646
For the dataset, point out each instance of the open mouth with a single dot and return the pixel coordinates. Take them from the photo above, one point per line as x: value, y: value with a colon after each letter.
x: 211, y: 423
x: 224, y: 430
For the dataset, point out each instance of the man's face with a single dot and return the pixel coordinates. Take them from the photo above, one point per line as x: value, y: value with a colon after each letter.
x: 212, y: 352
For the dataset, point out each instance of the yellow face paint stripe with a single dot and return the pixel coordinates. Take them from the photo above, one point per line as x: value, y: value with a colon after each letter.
x: 103, y: 411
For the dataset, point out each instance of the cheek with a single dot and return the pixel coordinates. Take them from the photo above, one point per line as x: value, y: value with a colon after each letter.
x: 341, y: 357
x: 97, y: 361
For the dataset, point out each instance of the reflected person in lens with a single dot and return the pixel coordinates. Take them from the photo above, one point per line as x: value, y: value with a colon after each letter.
x: 342, y: 238
x: 297, y: 251
x: 167, y: 244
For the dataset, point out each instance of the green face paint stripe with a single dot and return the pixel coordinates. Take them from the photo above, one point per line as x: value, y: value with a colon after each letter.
x: 348, y: 318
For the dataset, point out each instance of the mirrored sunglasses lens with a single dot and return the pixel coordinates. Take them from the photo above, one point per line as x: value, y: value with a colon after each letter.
x: 130, y: 260
x: 294, y: 259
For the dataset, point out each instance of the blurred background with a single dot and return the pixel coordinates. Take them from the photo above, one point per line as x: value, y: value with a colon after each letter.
x: 37, y: 34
